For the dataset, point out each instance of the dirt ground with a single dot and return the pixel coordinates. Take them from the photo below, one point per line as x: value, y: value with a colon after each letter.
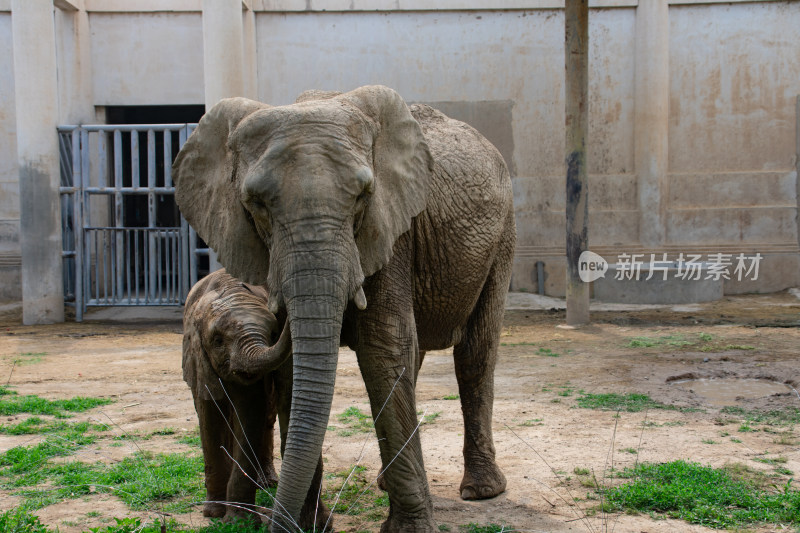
x: 540, y: 434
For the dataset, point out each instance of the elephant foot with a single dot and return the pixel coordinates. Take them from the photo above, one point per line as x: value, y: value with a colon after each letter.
x: 213, y: 510
x: 315, y: 518
x: 397, y: 524
x: 483, y: 483
x: 234, y: 513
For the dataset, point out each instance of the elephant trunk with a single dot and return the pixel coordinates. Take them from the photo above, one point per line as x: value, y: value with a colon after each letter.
x: 258, y: 357
x: 315, y: 301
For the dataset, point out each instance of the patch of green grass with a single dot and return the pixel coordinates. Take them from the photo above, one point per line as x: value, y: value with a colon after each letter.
x: 356, y: 420
x: 29, y: 358
x: 19, y: 520
x: 143, y: 480
x: 37, y: 426
x: 429, y: 419
x: 190, y: 439
x: 491, y: 528
x: 12, y: 404
x: 451, y: 397
x: 517, y: 344
x: 532, y: 422
x: 717, y: 498
x: 631, y: 403
x: 652, y: 342
x: 164, y: 432
x: 358, y: 496
x: 632, y: 451
x: 783, y: 417
x: 547, y: 352
x: 704, y: 342
x: 709, y: 441
x: 581, y: 471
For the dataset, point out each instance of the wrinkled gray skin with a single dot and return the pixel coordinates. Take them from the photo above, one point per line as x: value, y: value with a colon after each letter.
x: 226, y: 322
x: 387, y: 228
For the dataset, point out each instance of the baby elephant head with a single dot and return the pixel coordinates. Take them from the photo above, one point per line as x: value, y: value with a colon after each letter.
x: 229, y: 335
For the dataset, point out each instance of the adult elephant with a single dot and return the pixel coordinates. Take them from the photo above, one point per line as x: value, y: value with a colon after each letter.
x: 386, y: 228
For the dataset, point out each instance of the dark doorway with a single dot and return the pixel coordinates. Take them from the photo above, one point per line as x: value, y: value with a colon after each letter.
x: 135, y: 211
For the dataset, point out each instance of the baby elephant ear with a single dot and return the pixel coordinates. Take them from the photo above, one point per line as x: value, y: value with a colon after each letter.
x: 402, y: 165
x: 197, y: 370
x: 207, y: 191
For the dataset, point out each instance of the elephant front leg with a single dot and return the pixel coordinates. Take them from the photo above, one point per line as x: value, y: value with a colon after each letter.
x: 249, y: 422
x: 388, y: 356
x: 217, y: 465
x: 475, y: 358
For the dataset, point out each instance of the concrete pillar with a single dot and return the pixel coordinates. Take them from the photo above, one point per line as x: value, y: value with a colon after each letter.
x: 223, y: 58
x: 797, y: 167
x: 36, y: 94
x: 651, y: 118
x: 576, y: 60
x: 73, y: 39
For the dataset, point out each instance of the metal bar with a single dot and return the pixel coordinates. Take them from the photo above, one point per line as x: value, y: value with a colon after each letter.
x: 102, y: 159
x: 104, y: 233
x: 135, y: 160
x: 176, y: 266
x: 159, y: 262
x: 192, y: 257
x: 576, y: 16
x: 77, y: 222
x: 85, y: 174
x: 167, y: 159
x: 136, y: 262
x: 151, y: 209
x: 128, y: 262
x: 185, y: 259
x: 119, y: 235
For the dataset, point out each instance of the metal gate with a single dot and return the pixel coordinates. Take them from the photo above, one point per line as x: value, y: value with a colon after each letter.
x: 124, y: 241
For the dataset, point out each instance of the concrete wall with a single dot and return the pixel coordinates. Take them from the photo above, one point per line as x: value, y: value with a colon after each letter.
x: 734, y: 74
x: 10, y: 254
x: 147, y: 58
x: 732, y: 174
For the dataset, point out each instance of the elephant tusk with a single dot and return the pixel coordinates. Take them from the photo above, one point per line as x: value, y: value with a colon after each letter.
x: 360, y: 299
x: 273, y: 305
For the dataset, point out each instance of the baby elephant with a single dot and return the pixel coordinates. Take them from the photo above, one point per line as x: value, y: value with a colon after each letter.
x: 225, y: 323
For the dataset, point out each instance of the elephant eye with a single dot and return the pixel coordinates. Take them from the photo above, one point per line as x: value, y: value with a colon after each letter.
x: 217, y: 340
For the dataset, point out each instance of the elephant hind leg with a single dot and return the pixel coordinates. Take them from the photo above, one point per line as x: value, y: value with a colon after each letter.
x: 475, y: 357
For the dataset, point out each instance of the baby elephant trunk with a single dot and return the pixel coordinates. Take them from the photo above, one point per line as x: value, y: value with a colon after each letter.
x: 259, y: 358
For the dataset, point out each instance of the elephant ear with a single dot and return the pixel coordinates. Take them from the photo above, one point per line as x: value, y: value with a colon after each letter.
x: 197, y: 370
x: 402, y: 165
x: 207, y: 191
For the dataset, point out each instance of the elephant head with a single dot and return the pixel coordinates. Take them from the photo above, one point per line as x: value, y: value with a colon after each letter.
x: 309, y: 199
x: 227, y: 326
